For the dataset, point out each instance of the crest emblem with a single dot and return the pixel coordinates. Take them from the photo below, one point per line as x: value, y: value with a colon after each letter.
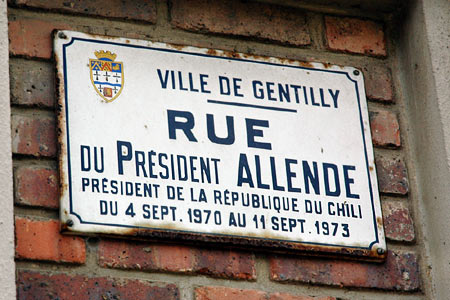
x: 106, y: 75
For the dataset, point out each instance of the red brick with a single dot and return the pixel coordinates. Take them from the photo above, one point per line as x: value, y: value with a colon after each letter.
x: 398, y: 224
x: 32, y: 83
x: 225, y: 264
x: 131, y: 255
x: 378, y: 83
x: 33, y: 38
x: 141, y: 10
x: 37, y: 186
x: 256, y: 20
x: 41, y: 240
x: 392, y: 176
x: 34, y: 135
x: 224, y: 293
x: 355, y: 36
x: 399, y: 272
x: 36, y: 286
x: 385, y: 129
x: 174, y: 258
x: 284, y: 296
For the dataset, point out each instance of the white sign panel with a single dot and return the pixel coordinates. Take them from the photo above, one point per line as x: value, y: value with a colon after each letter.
x: 201, y: 144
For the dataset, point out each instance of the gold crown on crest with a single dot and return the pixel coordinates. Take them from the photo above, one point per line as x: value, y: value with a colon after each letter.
x: 102, y: 54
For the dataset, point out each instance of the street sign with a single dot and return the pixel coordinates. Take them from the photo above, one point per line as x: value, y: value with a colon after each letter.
x: 205, y: 145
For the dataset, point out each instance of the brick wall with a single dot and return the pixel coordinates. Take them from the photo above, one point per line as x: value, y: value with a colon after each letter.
x: 65, y: 267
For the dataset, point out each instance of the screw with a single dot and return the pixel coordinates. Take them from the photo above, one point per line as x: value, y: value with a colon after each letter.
x: 380, y: 251
x: 61, y: 35
x: 69, y: 223
x: 356, y: 72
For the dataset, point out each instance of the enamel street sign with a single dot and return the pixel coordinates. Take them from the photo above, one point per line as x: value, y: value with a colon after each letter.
x: 175, y: 142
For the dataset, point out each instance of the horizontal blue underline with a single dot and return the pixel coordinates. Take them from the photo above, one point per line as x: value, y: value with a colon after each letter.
x: 107, y: 83
x: 252, y: 105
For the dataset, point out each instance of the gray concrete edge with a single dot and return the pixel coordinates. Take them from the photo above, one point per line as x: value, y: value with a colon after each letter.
x: 424, y: 57
x: 7, y: 266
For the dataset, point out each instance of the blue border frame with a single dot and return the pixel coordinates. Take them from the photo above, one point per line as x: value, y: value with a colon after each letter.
x: 216, y: 57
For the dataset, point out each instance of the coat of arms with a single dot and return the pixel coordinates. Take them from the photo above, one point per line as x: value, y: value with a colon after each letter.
x: 106, y: 75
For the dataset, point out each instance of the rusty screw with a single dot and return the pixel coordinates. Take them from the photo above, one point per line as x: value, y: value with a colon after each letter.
x: 356, y: 72
x: 61, y: 35
x: 69, y: 223
x: 380, y: 251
